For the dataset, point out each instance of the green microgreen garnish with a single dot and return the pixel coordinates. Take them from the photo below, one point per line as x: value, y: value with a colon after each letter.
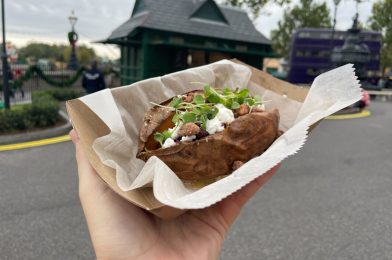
x: 161, y: 137
x: 202, y: 107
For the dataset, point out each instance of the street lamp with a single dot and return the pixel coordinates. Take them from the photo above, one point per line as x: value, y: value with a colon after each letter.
x: 73, y: 38
x: 6, y: 89
x: 72, y: 20
x: 336, y: 2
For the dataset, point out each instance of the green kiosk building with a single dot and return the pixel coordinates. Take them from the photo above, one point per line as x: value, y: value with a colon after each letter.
x: 163, y: 36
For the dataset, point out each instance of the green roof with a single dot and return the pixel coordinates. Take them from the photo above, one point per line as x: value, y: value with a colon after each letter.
x: 194, y: 17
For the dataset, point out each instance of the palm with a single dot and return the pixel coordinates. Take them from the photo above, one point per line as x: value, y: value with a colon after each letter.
x: 119, y: 229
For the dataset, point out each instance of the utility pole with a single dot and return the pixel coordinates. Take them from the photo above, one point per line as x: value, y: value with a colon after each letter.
x: 6, y: 89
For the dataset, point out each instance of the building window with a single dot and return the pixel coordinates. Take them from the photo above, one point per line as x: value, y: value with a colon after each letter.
x: 325, y: 35
x: 241, y: 47
x: 304, y: 35
x: 299, y: 53
x: 312, y: 72
x: 217, y: 56
x: 176, y: 40
x: 210, y: 44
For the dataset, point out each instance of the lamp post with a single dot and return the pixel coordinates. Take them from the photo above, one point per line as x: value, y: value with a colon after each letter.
x: 336, y: 2
x: 6, y: 89
x: 73, y: 38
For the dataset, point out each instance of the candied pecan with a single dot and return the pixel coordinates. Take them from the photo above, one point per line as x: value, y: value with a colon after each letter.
x: 188, y: 97
x: 257, y: 109
x: 188, y: 129
x: 243, y: 110
x: 236, y: 165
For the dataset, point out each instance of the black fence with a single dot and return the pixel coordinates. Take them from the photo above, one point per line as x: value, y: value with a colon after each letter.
x: 25, y: 79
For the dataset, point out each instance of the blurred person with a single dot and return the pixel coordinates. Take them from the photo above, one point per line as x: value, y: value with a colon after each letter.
x: 121, y: 230
x: 365, y: 100
x: 10, y: 80
x: 93, y: 79
x: 17, y: 76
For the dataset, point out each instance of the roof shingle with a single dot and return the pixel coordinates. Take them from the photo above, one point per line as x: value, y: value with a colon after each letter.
x: 174, y: 16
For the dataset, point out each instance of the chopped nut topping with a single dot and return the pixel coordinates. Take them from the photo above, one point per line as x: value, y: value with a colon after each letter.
x: 243, y: 110
x: 236, y: 165
x: 188, y: 129
x: 257, y: 109
x: 189, y: 97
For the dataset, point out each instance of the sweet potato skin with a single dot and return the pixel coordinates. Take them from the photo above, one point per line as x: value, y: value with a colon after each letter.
x: 245, y: 138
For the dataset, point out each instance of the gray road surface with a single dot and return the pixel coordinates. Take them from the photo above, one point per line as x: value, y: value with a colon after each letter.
x: 333, y: 200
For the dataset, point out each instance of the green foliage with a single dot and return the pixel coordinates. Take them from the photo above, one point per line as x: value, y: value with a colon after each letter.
x: 16, y: 84
x: 56, y: 52
x: 381, y: 20
x: 84, y: 54
x: 42, y: 112
x: 42, y: 51
x: 60, y: 94
x: 306, y: 14
x: 254, y: 5
x: 161, y: 137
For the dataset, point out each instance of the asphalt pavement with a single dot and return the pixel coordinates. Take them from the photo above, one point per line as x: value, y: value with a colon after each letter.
x: 333, y: 200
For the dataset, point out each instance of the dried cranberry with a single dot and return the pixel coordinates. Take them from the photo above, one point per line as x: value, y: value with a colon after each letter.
x: 202, y: 133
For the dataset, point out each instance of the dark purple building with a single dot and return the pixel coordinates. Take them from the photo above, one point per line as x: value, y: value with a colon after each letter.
x: 310, y: 52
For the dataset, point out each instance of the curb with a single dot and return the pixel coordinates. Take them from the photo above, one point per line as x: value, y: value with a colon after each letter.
x: 362, y: 114
x: 48, y: 133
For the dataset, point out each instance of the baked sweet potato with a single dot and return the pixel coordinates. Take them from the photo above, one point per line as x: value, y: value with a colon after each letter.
x: 216, y: 155
x: 208, y: 157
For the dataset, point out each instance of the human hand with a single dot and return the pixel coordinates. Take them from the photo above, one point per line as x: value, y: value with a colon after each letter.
x: 121, y: 230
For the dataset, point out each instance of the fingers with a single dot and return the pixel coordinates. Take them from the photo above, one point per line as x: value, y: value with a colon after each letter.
x: 89, y: 181
x: 80, y: 155
x: 231, y: 207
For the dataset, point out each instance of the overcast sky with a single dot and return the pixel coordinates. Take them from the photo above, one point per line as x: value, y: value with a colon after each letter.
x: 47, y: 20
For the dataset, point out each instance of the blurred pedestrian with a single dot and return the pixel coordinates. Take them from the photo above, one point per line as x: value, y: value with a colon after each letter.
x: 10, y: 81
x: 17, y: 75
x: 93, y: 79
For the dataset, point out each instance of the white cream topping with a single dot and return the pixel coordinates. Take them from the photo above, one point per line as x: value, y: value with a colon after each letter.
x: 168, y: 143
x: 188, y: 138
x: 224, y: 116
x: 214, y: 125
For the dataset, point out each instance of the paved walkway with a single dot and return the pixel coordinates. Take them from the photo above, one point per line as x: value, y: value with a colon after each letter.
x: 330, y: 201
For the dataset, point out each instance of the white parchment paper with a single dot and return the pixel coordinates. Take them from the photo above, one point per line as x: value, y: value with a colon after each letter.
x: 122, y: 109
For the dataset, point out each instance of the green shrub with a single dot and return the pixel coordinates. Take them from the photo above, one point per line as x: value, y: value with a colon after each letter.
x: 60, y: 94
x: 12, y: 120
x: 42, y: 112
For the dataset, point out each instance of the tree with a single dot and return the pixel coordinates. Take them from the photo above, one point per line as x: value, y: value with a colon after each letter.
x: 305, y: 14
x: 254, y: 5
x: 56, y: 52
x: 381, y: 20
x: 41, y: 51
x: 84, y: 54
